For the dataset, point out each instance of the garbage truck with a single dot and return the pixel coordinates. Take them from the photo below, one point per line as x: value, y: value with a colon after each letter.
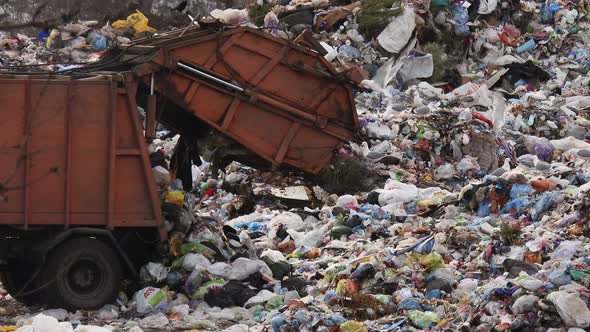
x: 79, y: 207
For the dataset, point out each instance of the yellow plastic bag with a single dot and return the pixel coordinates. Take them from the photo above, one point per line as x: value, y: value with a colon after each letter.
x: 52, y: 37
x: 137, y: 21
x: 352, y: 326
x: 175, y: 197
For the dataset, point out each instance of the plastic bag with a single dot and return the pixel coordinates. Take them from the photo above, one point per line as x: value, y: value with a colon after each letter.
x: 156, y: 321
x: 352, y: 326
x: 153, y: 273
x: 397, y: 33
x: 571, y: 308
x: 137, y: 21
x: 162, y: 177
x: 527, y: 282
x: 378, y: 130
x: 465, y: 287
x: 432, y: 261
x: 487, y: 6
x: 78, y: 42
x: 242, y: 268
x: 194, y: 261
x: 524, y: 304
x: 197, y: 248
x: 410, y: 303
x: 529, y: 45
x: 520, y: 189
x: 150, y: 299
x: 544, y: 152
x: 461, y: 18
x: 566, y: 250
x: 98, y: 41
x: 445, y: 172
x: 220, y: 269
x: 423, y: 319
x: 175, y: 197
x: 231, y: 16
x: 44, y: 323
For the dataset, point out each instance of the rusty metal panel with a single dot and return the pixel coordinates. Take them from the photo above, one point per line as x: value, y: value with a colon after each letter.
x: 12, y: 112
x: 284, y: 84
x: 86, y: 159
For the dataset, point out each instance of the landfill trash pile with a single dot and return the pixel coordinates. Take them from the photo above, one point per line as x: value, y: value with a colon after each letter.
x: 67, y: 47
x: 475, y: 118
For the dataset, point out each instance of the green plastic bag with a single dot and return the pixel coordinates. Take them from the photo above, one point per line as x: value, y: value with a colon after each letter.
x: 432, y: 261
x: 340, y: 230
x: 197, y: 248
x: 423, y: 319
x: 275, y: 302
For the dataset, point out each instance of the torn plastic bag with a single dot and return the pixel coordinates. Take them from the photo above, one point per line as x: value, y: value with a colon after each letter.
x: 416, y: 65
x: 153, y: 272
x: 397, y: 33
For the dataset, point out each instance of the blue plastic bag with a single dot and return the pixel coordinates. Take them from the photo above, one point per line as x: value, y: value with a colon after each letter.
x: 519, y: 204
x: 519, y: 189
x: 461, y: 18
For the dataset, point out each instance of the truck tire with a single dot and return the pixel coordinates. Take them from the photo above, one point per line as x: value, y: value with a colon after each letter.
x: 83, y: 273
x: 13, y: 282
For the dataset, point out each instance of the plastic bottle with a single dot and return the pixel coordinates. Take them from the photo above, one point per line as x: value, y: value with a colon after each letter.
x: 529, y: 45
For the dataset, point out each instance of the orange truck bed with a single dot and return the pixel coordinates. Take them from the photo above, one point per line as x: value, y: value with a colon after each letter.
x: 73, y: 154
x: 280, y: 100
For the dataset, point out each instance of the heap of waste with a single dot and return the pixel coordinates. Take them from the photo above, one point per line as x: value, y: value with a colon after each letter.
x: 476, y: 141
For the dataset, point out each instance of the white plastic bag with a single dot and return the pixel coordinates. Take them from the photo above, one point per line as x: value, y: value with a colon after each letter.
x: 397, y: 33
x: 445, y: 171
x: 194, y: 261
x: 156, y: 321
x: 220, y: 269
x: 416, y: 66
x: 465, y: 287
x: 572, y: 310
x: 44, y: 323
x: 487, y: 6
x: 242, y: 268
x: 150, y: 299
x: 153, y: 272
x: 378, y: 130
x: 524, y: 304
x: 347, y: 201
x: 566, y: 250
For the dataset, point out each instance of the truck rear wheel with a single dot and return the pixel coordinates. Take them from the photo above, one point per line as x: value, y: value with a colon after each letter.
x: 13, y: 282
x: 83, y: 273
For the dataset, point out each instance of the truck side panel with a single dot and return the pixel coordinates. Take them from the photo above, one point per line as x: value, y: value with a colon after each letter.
x: 73, y: 154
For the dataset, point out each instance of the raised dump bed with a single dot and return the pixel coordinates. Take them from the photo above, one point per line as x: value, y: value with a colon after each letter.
x: 280, y: 100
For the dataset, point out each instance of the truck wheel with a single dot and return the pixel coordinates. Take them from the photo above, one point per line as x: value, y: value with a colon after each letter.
x: 83, y: 273
x: 13, y: 282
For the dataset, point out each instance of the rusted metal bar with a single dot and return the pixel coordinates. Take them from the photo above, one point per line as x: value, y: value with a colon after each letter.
x: 28, y: 123
x: 111, y: 155
x: 68, y: 170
